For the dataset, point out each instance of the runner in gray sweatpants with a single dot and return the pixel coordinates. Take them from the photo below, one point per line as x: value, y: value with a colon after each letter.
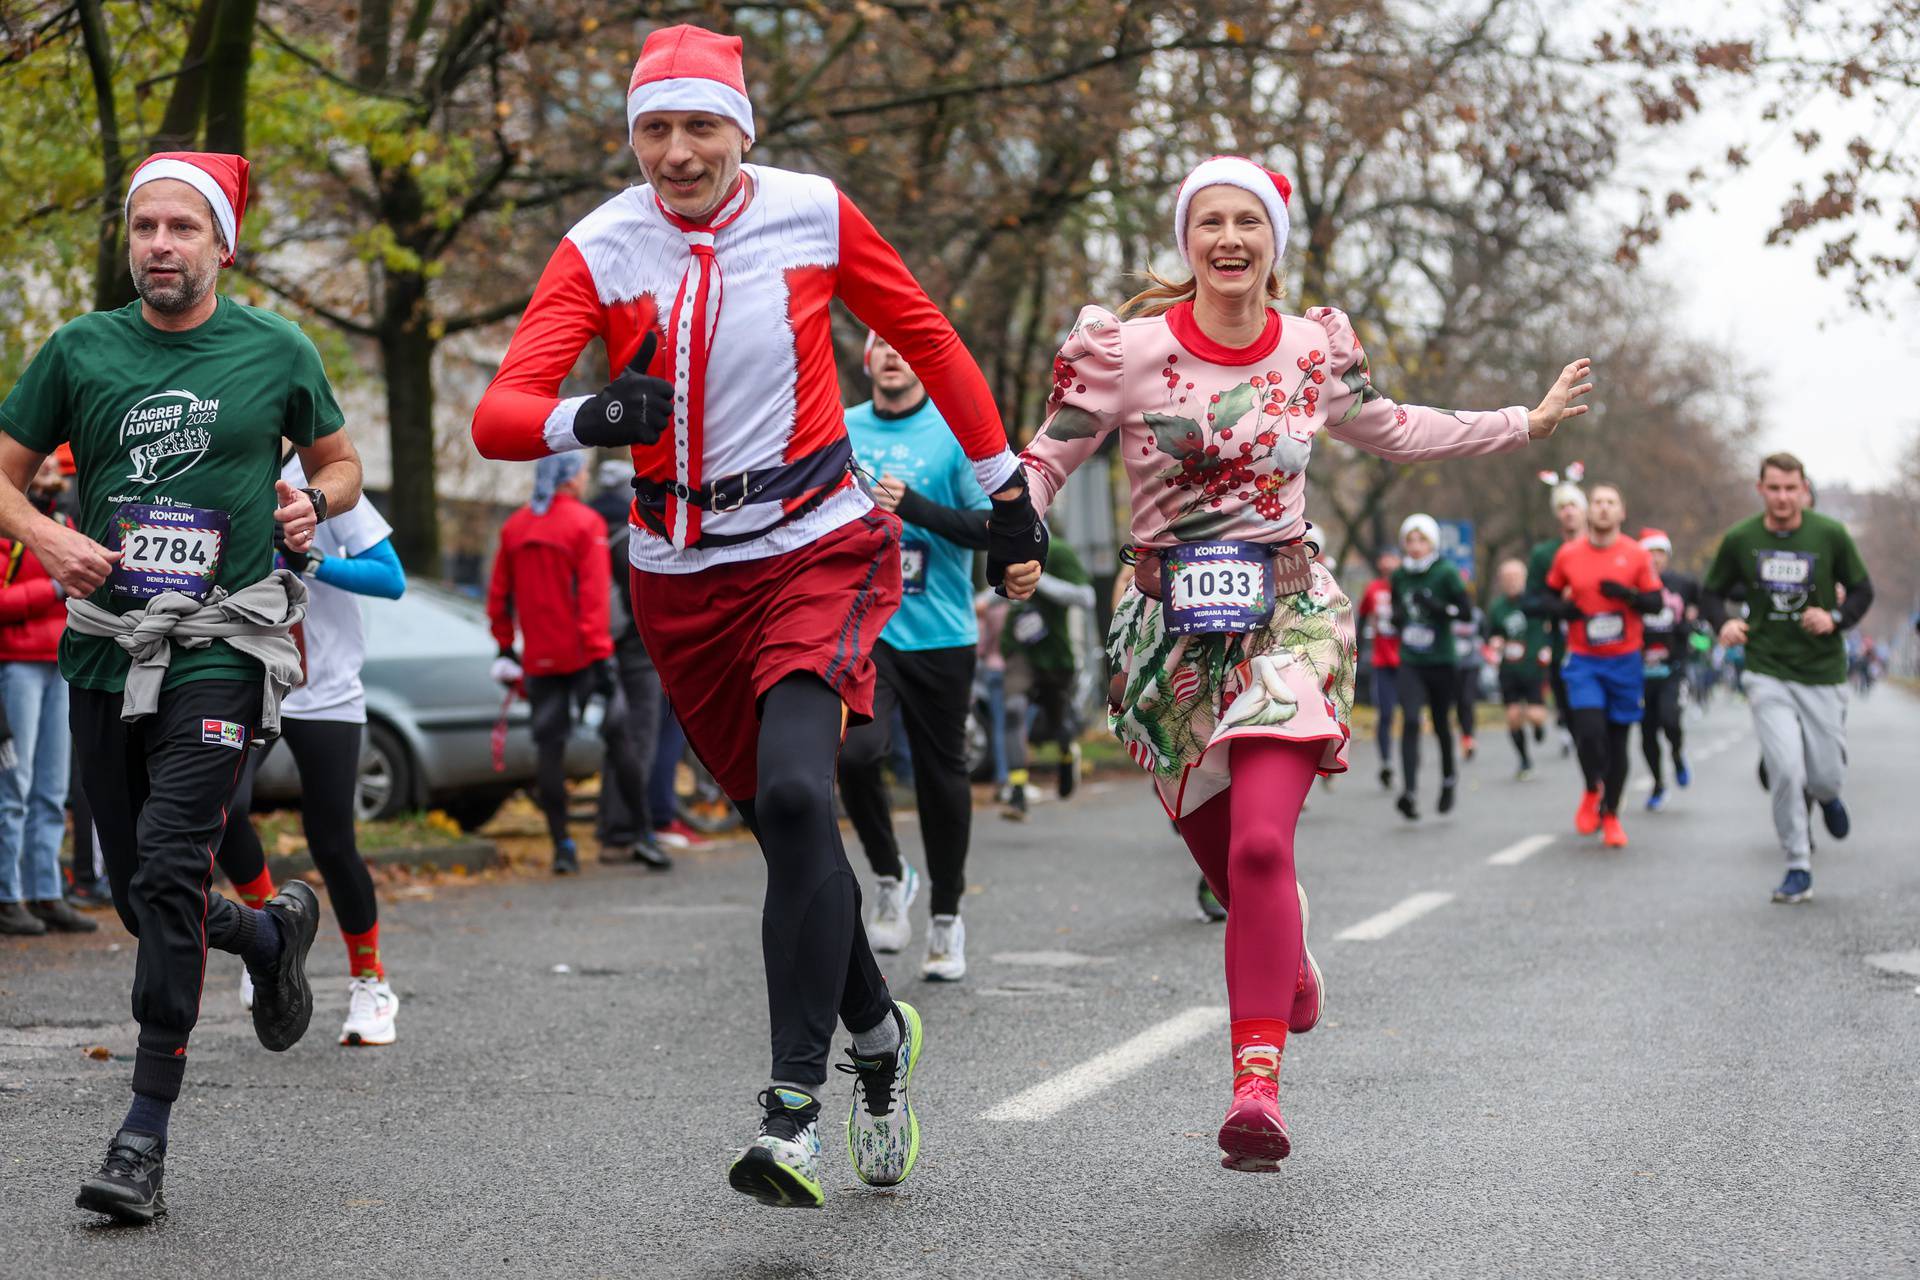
x: 1804, y: 583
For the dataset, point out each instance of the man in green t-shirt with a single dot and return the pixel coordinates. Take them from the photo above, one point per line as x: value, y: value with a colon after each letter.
x: 175, y: 407
x: 1041, y: 664
x: 1804, y: 584
x: 1525, y: 652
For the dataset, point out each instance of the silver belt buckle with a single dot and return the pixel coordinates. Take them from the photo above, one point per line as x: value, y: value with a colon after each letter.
x: 719, y: 509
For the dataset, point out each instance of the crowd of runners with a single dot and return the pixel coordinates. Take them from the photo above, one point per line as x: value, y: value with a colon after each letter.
x: 797, y: 579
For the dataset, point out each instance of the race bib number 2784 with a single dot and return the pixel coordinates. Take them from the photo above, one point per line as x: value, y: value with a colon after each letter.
x: 166, y: 549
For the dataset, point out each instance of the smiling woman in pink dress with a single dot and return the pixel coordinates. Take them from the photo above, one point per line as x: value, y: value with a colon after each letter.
x: 1233, y: 652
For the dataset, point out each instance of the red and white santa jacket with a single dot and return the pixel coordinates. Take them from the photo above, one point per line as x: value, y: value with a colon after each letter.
x: 768, y: 385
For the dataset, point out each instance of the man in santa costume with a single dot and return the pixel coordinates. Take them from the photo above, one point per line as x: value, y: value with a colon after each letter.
x: 175, y: 406
x: 761, y: 573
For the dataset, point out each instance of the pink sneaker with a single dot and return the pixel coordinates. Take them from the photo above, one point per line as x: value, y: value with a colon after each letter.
x: 1309, y: 991
x: 1254, y: 1136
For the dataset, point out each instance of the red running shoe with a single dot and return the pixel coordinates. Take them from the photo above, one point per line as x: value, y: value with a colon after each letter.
x: 1309, y: 990
x: 1587, y: 820
x: 1612, y: 834
x: 1254, y: 1136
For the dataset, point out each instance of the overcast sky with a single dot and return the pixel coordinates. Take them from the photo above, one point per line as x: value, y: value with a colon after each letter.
x: 1836, y: 379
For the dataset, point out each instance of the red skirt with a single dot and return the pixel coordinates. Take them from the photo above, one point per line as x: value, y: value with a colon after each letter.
x: 722, y: 637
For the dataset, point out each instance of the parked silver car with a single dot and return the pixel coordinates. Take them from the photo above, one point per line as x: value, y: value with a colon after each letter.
x: 431, y: 709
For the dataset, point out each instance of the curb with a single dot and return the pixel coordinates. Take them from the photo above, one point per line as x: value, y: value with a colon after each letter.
x: 470, y: 855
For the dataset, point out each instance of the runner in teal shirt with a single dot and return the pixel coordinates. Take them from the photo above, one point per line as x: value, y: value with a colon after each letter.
x: 925, y: 656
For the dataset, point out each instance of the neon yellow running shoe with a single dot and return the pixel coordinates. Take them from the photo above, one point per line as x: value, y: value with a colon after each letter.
x: 781, y: 1166
x: 883, y: 1133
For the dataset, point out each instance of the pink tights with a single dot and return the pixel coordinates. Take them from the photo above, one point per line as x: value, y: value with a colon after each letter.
x: 1243, y: 841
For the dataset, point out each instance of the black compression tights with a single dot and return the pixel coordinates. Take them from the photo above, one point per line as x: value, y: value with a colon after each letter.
x: 819, y: 967
x: 327, y: 753
x: 1604, y: 750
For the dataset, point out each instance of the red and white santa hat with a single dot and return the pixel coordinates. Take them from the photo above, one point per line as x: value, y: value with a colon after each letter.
x: 1270, y: 188
x: 688, y: 68
x: 1654, y: 540
x: 221, y: 178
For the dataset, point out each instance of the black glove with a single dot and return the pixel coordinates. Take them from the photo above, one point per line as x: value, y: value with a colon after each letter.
x: 1014, y: 536
x: 634, y: 409
x: 1617, y: 590
x: 603, y: 680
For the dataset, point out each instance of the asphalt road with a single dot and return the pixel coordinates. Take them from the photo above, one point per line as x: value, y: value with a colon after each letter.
x: 1573, y: 1063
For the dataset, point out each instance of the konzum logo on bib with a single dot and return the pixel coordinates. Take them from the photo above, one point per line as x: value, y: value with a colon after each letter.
x: 166, y: 433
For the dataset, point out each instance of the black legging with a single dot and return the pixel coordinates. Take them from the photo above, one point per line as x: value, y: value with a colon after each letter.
x: 1467, y: 697
x: 1433, y: 687
x: 819, y: 967
x: 932, y: 688
x: 327, y: 753
x: 1604, y: 751
x: 1663, y: 716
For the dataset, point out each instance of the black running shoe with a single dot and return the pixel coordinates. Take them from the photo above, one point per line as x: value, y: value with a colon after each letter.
x: 127, y: 1188
x: 1386, y: 778
x: 1409, y: 808
x: 1446, y: 797
x: 650, y: 855
x: 282, y: 1000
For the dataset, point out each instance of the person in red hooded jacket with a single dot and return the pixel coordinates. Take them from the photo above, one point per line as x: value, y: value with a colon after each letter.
x: 33, y: 742
x: 552, y: 578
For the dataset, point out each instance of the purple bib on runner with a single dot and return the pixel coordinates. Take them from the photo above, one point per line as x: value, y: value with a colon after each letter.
x: 1210, y: 588
x: 166, y: 549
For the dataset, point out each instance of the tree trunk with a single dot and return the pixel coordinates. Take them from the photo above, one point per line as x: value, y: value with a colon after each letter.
x: 187, y: 104
x: 228, y: 59
x: 406, y: 358
x: 112, y: 280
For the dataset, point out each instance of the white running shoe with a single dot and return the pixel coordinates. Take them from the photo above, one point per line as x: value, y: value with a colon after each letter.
x: 781, y: 1166
x: 371, y: 1006
x: 888, y: 929
x: 246, y: 988
x: 883, y: 1130
x: 946, y: 950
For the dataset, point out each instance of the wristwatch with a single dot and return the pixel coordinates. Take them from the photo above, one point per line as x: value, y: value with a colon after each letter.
x: 319, y: 500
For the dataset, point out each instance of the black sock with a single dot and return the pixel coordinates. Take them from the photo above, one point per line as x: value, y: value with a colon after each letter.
x: 1539, y: 733
x: 1519, y: 737
x: 263, y: 948
x: 148, y: 1114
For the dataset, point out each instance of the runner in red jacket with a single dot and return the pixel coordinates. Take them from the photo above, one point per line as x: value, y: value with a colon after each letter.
x: 761, y: 573
x: 551, y: 577
x: 34, y: 738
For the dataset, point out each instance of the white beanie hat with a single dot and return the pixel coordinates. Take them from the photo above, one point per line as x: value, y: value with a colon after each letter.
x: 1270, y: 188
x: 1567, y: 491
x: 1424, y: 523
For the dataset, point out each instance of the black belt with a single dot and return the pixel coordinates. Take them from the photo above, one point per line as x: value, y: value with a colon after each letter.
x: 814, y: 471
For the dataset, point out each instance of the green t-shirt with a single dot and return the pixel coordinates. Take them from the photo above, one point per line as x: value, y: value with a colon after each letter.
x: 1785, y: 574
x: 1539, y: 564
x: 191, y: 419
x: 1037, y: 627
x: 1426, y: 634
x: 1520, y: 637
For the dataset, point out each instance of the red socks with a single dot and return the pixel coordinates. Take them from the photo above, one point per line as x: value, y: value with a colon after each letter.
x: 363, y: 953
x: 256, y: 891
x: 1257, y: 1046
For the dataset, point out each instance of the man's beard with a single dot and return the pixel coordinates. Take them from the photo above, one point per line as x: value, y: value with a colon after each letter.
x: 189, y: 290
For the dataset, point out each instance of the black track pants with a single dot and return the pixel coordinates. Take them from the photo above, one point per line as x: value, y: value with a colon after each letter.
x: 640, y: 691
x: 932, y: 688
x: 327, y: 754
x: 1662, y: 716
x: 160, y: 787
x: 1434, y: 688
x: 819, y: 967
x: 554, y: 701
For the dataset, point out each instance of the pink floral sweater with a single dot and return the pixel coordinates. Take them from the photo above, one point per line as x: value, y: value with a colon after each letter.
x: 1217, y: 439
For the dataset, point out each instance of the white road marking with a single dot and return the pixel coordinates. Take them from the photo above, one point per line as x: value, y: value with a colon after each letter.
x: 1374, y: 928
x: 1050, y: 1097
x: 1519, y: 851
